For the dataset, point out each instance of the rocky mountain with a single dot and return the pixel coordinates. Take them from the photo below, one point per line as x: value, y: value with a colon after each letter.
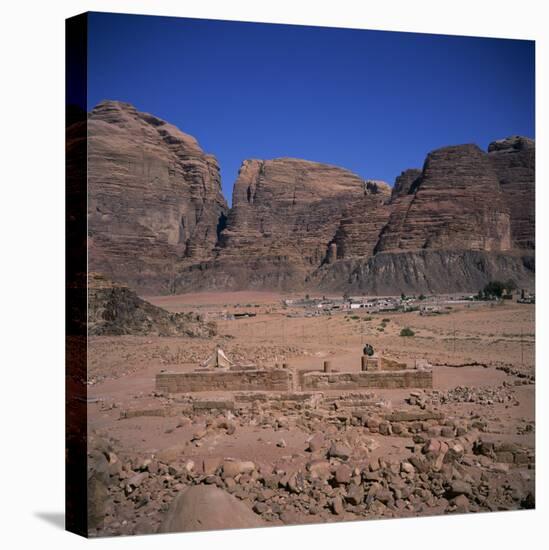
x: 158, y: 222
x: 282, y: 224
x: 114, y: 309
x: 450, y: 228
x: 154, y: 197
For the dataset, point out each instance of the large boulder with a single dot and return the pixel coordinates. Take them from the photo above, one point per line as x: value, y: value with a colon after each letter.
x: 205, y: 507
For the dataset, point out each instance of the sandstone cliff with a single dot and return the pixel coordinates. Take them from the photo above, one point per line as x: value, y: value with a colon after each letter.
x: 157, y: 220
x: 154, y: 197
x: 284, y: 216
x: 451, y: 227
x: 457, y: 204
x: 514, y: 160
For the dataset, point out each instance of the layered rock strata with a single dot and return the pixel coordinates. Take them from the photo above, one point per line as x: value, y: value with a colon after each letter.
x: 457, y: 204
x: 514, y: 161
x: 465, y: 219
x: 283, y: 220
x: 157, y: 220
x: 154, y: 197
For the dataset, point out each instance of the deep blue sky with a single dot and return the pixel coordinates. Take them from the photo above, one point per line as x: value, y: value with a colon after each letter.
x: 370, y: 101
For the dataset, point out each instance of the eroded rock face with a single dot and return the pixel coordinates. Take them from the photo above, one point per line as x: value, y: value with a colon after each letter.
x: 514, y: 160
x: 404, y: 184
x: 288, y: 207
x: 457, y: 205
x: 154, y: 201
x: 284, y: 216
x: 465, y: 219
x: 159, y: 223
x: 359, y: 229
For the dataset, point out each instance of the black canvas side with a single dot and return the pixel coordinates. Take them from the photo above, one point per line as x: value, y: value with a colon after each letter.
x: 76, y: 275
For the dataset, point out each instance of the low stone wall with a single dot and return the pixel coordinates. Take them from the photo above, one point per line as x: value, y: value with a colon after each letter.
x: 381, y: 363
x: 368, y: 379
x: 246, y: 380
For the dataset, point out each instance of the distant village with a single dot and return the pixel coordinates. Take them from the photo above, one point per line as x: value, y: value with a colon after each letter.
x: 424, y: 305
x: 310, y: 306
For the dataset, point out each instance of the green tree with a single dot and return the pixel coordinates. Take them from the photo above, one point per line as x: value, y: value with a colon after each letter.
x: 510, y: 285
x: 494, y: 289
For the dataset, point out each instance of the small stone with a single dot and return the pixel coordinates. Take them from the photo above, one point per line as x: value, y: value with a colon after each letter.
x: 447, y: 431
x: 459, y: 487
x: 355, y: 495
x: 337, y: 505
x: 211, y: 465
x: 407, y: 468
x: 316, y: 442
x: 338, y: 450
x: 343, y: 474
x: 319, y: 469
x: 137, y: 479
x: 231, y: 468
x: 260, y: 508
x: 461, y: 503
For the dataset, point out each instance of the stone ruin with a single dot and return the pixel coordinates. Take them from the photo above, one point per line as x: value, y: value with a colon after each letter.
x: 219, y: 373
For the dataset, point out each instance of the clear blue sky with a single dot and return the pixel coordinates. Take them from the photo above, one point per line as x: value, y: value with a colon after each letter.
x: 373, y: 102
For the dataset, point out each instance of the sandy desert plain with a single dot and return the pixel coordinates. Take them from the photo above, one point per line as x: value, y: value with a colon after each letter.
x: 467, y: 444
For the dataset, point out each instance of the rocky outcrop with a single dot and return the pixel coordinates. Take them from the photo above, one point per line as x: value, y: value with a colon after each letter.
x: 154, y: 198
x: 514, y: 162
x: 288, y: 207
x: 114, y: 309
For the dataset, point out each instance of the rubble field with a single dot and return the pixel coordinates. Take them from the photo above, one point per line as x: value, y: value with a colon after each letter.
x: 465, y: 445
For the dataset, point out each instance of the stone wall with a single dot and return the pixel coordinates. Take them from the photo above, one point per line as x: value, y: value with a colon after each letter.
x: 368, y: 379
x: 248, y: 380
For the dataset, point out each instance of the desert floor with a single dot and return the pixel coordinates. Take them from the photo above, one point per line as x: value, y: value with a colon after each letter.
x: 482, y: 356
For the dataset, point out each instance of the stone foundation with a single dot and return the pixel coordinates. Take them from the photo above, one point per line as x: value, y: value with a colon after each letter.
x: 283, y: 380
x: 380, y: 363
x: 245, y: 380
x: 368, y: 379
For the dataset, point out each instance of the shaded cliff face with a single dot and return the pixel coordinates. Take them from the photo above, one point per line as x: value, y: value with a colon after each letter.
x: 456, y: 204
x: 514, y: 161
x: 406, y: 183
x: 426, y: 271
x: 154, y: 198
